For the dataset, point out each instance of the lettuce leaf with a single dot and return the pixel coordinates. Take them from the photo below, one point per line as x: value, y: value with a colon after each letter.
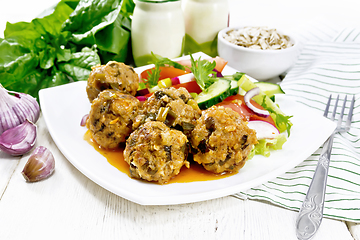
x: 265, y: 146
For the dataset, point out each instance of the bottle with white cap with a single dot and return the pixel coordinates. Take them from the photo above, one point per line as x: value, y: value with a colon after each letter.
x: 157, y: 26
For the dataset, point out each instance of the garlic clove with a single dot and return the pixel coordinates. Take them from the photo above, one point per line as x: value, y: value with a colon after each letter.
x: 15, y: 108
x: 18, y: 140
x: 40, y: 165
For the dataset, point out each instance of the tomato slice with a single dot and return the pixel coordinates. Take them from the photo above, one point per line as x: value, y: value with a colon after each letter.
x: 192, y: 87
x: 237, y: 103
x: 165, y: 72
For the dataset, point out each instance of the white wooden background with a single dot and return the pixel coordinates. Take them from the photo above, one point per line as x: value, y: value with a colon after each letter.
x: 70, y: 206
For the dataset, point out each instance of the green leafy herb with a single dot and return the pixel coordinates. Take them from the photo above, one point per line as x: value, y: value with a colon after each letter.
x: 29, y: 51
x: 163, y: 61
x: 106, y: 23
x: 203, y: 72
x: 154, y: 74
x: 282, y: 121
x: 63, y: 46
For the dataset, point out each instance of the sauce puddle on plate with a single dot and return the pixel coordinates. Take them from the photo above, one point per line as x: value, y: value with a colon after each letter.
x: 193, y: 174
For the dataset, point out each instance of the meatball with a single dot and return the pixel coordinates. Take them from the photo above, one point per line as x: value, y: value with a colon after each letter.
x: 155, y: 152
x: 113, y: 75
x: 221, y: 140
x: 175, y: 107
x: 111, y: 117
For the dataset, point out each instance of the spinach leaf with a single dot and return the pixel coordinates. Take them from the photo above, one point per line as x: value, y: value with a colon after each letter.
x: 63, y: 46
x: 79, y: 65
x: 16, y: 62
x: 40, y: 32
x: 102, y: 22
x: 55, y: 79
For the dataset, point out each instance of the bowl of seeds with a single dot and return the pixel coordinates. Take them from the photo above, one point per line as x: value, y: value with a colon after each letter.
x: 261, y: 52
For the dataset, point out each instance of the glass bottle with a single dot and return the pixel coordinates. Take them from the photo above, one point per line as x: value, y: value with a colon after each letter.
x: 157, y: 26
x: 203, y: 20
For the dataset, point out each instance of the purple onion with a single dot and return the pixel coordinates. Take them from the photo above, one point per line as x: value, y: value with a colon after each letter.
x: 250, y: 94
x: 218, y: 74
x: 84, y: 119
x: 141, y: 98
x: 142, y: 92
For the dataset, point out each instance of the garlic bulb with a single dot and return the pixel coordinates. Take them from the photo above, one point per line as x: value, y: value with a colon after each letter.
x: 18, y: 140
x: 41, y: 165
x: 15, y: 108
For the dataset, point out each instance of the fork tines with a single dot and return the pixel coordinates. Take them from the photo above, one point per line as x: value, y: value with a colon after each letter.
x: 341, y: 114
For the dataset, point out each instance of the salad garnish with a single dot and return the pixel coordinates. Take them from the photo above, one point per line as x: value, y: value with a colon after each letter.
x: 282, y: 121
x: 203, y: 71
x: 154, y: 74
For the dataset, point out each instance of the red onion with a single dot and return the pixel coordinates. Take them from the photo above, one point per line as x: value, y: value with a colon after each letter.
x: 218, y: 74
x: 141, y: 98
x: 263, y: 129
x: 84, y: 119
x: 18, y: 140
x: 143, y: 92
x: 15, y: 108
x: 250, y: 94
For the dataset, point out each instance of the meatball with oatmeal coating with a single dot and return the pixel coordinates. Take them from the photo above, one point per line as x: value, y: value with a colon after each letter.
x: 175, y: 107
x: 111, y: 117
x: 221, y: 140
x: 156, y: 152
x: 113, y: 75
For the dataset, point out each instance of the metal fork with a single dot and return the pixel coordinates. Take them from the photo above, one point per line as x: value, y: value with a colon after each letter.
x: 311, y: 212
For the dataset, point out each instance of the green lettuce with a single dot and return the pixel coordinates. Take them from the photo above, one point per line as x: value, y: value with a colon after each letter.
x: 264, y: 146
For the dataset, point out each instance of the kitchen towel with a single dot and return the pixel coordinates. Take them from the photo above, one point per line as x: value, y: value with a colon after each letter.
x: 323, y: 68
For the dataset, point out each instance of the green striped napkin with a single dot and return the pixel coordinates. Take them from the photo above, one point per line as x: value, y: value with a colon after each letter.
x: 323, y: 68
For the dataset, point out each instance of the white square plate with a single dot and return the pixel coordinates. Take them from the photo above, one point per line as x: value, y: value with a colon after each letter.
x: 64, y: 106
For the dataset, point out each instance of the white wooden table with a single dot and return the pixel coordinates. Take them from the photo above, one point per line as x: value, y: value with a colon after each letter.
x: 70, y: 206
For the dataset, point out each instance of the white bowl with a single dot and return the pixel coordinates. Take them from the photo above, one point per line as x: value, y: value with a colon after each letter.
x: 259, y: 64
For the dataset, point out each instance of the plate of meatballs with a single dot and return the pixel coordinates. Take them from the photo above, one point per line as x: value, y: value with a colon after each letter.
x: 165, y: 134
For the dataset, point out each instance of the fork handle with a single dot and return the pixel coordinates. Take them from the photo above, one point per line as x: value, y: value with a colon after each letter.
x: 311, y: 212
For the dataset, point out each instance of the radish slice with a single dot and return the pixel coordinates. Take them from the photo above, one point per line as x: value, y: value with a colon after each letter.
x: 175, y: 81
x: 263, y: 129
x: 185, y: 78
x: 250, y: 94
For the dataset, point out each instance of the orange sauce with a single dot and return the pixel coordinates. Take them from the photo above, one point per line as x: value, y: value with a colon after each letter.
x: 193, y: 174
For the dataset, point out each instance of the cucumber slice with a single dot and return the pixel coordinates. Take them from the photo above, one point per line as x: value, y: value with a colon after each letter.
x: 234, y: 87
x: 216, y: 93
x: 269, y: 88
